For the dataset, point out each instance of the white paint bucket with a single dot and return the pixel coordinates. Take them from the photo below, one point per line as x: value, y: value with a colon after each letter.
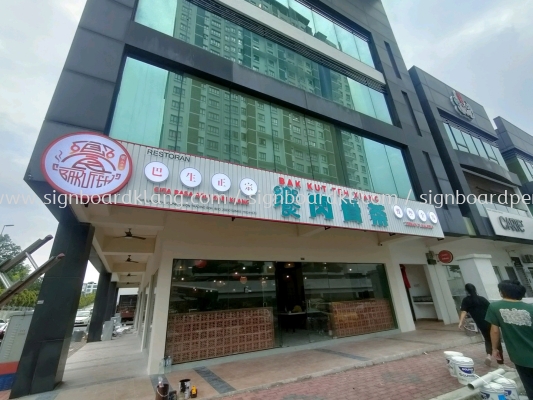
x: 492, y: 391
x: 509, y: 387
x: 449, y: 355
x: 464, y: 369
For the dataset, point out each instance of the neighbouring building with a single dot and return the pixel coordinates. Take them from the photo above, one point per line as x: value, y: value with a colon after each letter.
x: 89, y: 287
x: 257, y: 170
x: 488, y: 170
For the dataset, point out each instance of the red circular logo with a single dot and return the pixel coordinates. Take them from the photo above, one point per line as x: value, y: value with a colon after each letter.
x: 86, y: 164
x: 445, y: 256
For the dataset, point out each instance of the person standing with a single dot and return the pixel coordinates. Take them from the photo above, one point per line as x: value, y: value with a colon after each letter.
x: 515, y: 319
x: 477, y: 306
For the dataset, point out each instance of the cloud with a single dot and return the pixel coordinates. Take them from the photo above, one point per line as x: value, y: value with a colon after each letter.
x: 481, y: 47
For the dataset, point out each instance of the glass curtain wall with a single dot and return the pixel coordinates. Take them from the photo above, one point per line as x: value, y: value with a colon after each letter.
x: 468, y: 143
x: 375, y: 167
x: 316, y: 24
x: 192, y: 24
x: 521, y: 167
x: 183, y: 113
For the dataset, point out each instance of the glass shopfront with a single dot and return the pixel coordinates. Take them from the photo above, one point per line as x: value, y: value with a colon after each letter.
x: 219, y: 308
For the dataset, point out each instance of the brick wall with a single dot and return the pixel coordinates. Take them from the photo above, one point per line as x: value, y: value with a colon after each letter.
x: 352, y: 318
x: 201, y: 335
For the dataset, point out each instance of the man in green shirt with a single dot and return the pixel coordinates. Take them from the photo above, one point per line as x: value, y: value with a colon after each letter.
x: 515, y: 319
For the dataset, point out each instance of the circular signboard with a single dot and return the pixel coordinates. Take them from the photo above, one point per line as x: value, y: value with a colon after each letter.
x: 156, y: 172
x: 422, y: 215
x: 397, y: 211
x: 86, y: 164
x: 433, y: 217
x: 248, y: 187
x: 221, y: 182
x: 410, y: 214
x: 191, y: 177
x: 445, y: 256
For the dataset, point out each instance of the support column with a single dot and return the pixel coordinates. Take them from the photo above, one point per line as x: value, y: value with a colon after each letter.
x: 477, y: 269
x: 447, y: 294
x: 441, y: 293
x: 138, y: 310
x: 148, y: 312
x: 400, y: 301
x: 99, y: 309
x: 110, y: 306
x: 45, y: 352
x: 158, y: 336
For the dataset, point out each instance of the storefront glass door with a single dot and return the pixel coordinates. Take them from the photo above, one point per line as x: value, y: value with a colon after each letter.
x: 219, y: 308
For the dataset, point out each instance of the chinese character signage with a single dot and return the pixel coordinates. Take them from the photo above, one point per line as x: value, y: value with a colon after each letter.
x: 86, y: 164
x: 173, y: 181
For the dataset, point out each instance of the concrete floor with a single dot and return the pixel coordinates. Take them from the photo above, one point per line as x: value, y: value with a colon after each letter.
x: 117, y: 369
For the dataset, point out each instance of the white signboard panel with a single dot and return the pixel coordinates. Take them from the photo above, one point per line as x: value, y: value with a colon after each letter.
x: 201, y: 185
x: 511, y: 225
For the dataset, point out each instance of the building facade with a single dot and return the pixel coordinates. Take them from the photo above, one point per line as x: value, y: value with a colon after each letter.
x: 270, y: 163
x: 488, y: 169
x: 89, y: 287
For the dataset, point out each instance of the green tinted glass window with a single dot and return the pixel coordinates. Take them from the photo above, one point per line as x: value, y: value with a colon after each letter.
x: 450, y: 135
x: 203, y: 29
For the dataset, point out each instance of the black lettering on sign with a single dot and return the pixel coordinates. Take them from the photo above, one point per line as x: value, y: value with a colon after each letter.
x: 512, y: 224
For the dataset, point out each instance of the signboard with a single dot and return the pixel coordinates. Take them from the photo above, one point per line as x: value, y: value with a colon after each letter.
x: 445, y: 256
x: 87, y: 163
x: 200, y: 185
x: 461, y: 106
x: 511, y: 225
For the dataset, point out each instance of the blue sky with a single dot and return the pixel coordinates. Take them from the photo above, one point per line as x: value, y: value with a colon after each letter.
x: 480, y: 47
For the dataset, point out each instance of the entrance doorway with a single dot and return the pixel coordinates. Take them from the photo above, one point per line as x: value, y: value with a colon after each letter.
x: 303, y: 303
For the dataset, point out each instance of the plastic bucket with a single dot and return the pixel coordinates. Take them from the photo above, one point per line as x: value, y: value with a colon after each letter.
x: 449, y: 355
x: 464, y: 369
x: 492, y: 391
x: 509, y: 387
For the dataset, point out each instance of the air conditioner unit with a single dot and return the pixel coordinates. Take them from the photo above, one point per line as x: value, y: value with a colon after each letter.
x: 527, y: 258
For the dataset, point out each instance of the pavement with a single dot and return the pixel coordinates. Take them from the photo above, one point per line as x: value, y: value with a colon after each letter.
x: 393, y: 365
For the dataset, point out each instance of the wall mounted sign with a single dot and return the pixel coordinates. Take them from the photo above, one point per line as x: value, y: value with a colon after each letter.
x: 86, y: 164
x: 200, y: 185
x: 156, y: 172
x: 445, y: 256
x: 461, y: 106
x: 512, y: 225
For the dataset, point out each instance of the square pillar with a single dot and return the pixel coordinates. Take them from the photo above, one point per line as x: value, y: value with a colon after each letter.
x: 99, y: 309
x: 158, y: 335
x: 477, y: 269
x: 441, y: 293
x: 45, y: 351
x: 111, y: 302
x: 148, y: 311
x: 402, y: 309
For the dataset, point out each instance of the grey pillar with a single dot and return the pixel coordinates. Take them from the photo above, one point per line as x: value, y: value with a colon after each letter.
x: 45, y: 352
x: 99, y: 309
x: 111, y: 301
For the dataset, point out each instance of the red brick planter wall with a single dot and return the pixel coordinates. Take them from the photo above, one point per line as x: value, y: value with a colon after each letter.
x: 358, y: 317
x: 201, y: 335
